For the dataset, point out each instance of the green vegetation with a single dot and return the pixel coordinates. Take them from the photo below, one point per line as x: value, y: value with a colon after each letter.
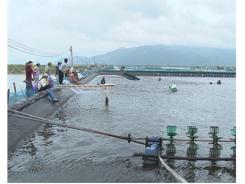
x: 16, y: 69
x: 20, y: 69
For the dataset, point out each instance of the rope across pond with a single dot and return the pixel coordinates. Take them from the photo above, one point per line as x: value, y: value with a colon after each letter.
x: 128, y: 138
x: 43, y: 120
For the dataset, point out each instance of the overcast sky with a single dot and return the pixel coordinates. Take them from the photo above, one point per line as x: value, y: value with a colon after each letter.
x: 98, y: 26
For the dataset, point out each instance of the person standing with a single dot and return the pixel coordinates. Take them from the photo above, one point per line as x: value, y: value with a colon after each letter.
x: 48, y: 68
x: 36, y: 72
x: 57, y: 72
x: 102, y: 80
x: 29, y: 78
x: 57, y: 69
x: 62, y: 69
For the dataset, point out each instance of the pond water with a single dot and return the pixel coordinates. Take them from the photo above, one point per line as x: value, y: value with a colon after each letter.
x: 142, y: 108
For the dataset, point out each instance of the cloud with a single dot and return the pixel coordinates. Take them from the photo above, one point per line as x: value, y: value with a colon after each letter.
x: 97, y: 26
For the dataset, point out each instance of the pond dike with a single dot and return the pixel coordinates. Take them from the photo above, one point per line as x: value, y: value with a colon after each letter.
x: 38, y: 105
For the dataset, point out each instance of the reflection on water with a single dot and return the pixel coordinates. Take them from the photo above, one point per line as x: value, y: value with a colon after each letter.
x: 142, y: 108
x: 192, y: 150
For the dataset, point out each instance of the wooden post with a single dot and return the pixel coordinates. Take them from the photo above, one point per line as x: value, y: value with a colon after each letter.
x: 71, y: 56
x: 106, y: 101
x: 14, y: 87
x: 8, y: 95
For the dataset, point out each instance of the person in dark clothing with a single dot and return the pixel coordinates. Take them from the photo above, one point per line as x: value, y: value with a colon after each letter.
x: 62, y: 69
x: 29, y: 78
x: 57, y: 68
x: 102, y: 80
x: 57, y: 71
x: 106, y: 101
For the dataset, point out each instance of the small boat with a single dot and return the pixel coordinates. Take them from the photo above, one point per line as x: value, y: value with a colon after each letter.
x: 173, y: 87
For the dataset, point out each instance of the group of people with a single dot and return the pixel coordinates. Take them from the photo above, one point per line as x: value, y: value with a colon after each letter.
x: 62, y: 70
x: 35, y: 84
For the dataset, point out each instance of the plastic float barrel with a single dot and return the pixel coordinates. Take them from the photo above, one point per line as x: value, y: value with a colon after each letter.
x: 173, y: 88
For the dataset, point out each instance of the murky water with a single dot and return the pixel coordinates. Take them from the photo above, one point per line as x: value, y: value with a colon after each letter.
x: 18, y: 80
x: 142, y: 108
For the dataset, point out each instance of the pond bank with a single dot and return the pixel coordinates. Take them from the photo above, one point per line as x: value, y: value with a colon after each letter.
x: 19, y: 129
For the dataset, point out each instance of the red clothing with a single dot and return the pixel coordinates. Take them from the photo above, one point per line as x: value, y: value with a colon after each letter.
x: 73, y: 78
x: 29, y: 72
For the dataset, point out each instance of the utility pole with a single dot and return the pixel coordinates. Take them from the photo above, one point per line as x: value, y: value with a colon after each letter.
x: 71, y: 57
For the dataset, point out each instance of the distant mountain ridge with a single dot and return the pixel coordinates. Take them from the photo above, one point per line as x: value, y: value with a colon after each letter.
x: 164, y: 55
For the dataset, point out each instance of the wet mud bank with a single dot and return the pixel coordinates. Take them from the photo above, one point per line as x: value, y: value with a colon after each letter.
x: 19, y: 129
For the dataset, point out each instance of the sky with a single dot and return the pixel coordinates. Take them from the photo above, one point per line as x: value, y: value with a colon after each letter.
x: 95, y: 27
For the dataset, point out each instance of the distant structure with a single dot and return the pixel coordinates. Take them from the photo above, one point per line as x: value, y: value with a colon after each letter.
x: 106, y: 101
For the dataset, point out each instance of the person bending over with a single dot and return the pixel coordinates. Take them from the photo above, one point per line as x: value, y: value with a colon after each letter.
x: 44, y: 85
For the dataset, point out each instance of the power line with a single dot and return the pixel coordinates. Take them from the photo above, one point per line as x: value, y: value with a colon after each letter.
x: 29, y: 50
x: 27, y: 47
x: 31, y: 53
x: 21, y: 47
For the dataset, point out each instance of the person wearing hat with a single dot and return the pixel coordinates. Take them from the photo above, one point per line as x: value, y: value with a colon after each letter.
x: 43, y: 85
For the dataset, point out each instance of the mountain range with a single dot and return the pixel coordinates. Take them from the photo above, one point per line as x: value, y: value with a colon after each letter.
x: 164, y: 55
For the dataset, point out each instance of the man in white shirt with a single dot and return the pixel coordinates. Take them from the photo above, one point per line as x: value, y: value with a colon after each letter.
x: 62, y: 69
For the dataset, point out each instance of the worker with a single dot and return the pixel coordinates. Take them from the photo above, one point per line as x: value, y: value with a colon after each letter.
x: 57, y: 71
x: 48, y: 68
x: 44, y: 85
x: 102, y: 80
x: 29, y: 78
x: 62, y: 69
x: 73, y: 77
x: 36, y: 72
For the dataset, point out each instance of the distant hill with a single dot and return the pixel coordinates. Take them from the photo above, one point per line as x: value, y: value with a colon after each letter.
x: 165, y: 55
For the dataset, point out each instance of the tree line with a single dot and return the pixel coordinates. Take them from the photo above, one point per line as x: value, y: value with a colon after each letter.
x: 20, y: 68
